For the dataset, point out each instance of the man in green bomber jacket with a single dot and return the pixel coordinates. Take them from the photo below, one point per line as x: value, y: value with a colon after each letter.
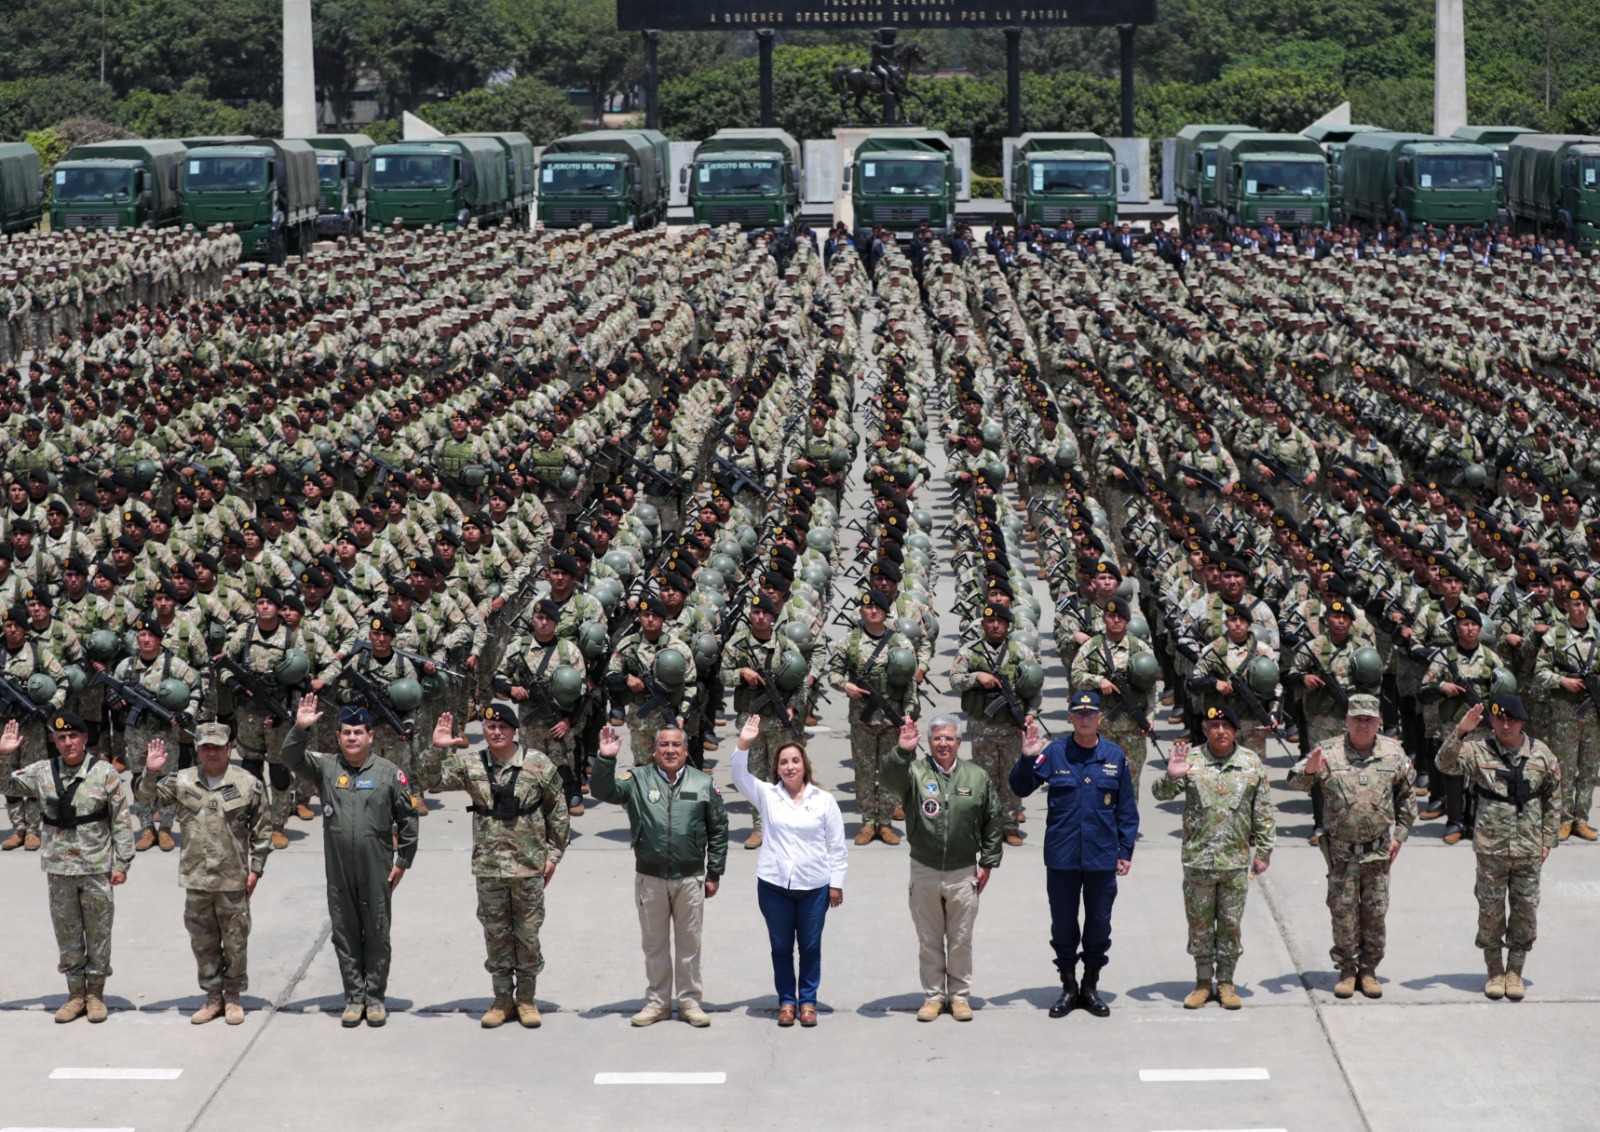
x: 953, y: 818
x: 679, y: 830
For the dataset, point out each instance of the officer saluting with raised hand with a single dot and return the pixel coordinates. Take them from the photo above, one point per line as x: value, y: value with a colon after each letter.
x: 369, y: 841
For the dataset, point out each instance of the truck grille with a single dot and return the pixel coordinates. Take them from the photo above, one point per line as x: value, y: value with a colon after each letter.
x: 567, y: 214
x: 1080, y: 214
x: 902, y: 213
x: 92, y: 220
x: 738, y: 214
x: 1287, y: 215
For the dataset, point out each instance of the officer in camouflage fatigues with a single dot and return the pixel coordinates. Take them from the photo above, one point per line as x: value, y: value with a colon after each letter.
x: 1468, y: 661
x: 88, y: 848
x: 227, y: 834
x: 1103, y: 656
x: 1371, y: 807
x: 150, y: 665
x: 996, y: 739
x: 1569, y: 652
x: 1228, y: 833
x: 862, y: 660
x: 519, y: 832
x: 1518, y: 783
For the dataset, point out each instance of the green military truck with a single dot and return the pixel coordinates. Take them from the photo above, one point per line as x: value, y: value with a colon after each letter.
x: 117, y: 184
x: 519, y: 157
x: 1417, y: 180
x: 1277, y: 179
x: 1061, y: 177
x: 1497, y: 138
x: 267, y: 188
x: 1553, y: 186
x: 748, y: 177
x: 901, y: 179
x: 1194, y: 172
x: 607, y: 178
x: 342, y: 173
x: 1333, y: 139
x: 448, y: 182
x: 21, y: 187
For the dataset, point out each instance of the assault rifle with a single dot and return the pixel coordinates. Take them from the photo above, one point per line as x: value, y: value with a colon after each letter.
x: 373, y: 697
x: 254, y: 688
x: 139, y: 702
x: 15, y: 701
x: 771, y: 694
x: 1204, y: 479
x: 1006, y: 697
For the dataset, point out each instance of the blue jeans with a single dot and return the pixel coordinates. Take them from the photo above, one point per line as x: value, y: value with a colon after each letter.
x: 794, y: 916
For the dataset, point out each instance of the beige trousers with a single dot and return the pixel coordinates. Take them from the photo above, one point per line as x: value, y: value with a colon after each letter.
x: 944, y: 907
x: 670, y: 917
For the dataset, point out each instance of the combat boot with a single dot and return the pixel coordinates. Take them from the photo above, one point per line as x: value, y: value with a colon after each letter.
x: 1089, y: 995
x: 930, y: 1010
x: 209, y: 1011
x: 1515, y: 990
x: 303, y: 812
x: 1068, y: 1002
x: 497, y: 1014
x: 1198, y: 997
x: 12, y: 842
x: 31, y: 843
x: 72, y: 1009
x: 1369, y: 983
x: 1228, y: 997
x: 280, y: 840
x: 164, y: 839
x: 377, y: 1014
x: 887, y: 835
x: 1495, y: 988
x: 233, y: 1009
x: 94, y: 1004
x: 868, y: 832
x: 528, y: 1014
x: 754, y: 840
x: 351, y: 1017
x: 1566, y: 830
x: 1346, y: 986
x: 147, y: 840
x: 1584, y: 830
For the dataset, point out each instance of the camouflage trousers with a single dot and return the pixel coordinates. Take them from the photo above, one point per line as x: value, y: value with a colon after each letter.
x: 1358, y: 898
x: 762, y: 751
x: 511, y: 910
x: 80, y: 912
x: 219, y: 933
x: 1134, y: 745
x: 259, y: 743
x: 871, y: 746
x: 642, y: 730
x: 1213, y: 901
x: 388, y: 744
x: 1576, y: 743
x: 669, y: 508
x: 996, y: 748
x: 23, y: 813
x: 1503, y: 880
x: 558, y: 751
x: 136, y: 742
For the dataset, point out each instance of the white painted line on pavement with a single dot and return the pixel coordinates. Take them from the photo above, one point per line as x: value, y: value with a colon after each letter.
x: 1224, y: 1130
x: 105, y: 1074
x: 1204, y: 1075
x: 660, y: 1078
x: 67, y: 1130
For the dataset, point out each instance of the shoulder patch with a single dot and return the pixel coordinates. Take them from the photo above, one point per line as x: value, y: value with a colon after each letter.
x: 624, y: 776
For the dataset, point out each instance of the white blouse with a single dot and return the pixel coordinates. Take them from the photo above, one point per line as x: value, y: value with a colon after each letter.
x: 802, y: 839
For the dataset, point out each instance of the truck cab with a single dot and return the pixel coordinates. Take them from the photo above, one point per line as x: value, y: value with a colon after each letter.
x: 1277, y: 179
x: 749, y: 177
x: 1411, y: 180
x: 1553, y: 186
x: 120, y: 184
x: 1194, y: 174
x: 1497, y: 138
x: 607, y: 178
x: 901, y: 180
x: 447, y: 182
x: 341, y: 175
x: 266, y: 188
x: 1061, y: 177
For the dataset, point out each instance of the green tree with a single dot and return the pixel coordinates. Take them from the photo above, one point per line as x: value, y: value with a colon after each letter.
x: 35, y: 104
x: 1394, y: 104
x: 436, y: 48
x: 535, y: 108
x: 572, y: 44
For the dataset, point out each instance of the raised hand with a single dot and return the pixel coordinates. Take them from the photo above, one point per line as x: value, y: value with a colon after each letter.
x: 910, y: 734
x: 1474, y: 717
x: 444, y: 732
x: 306, y: 714
x: 749, y: 732
x: 155, y: 756
x: 10, y: 739
x: 1178, y: 764
x: 610, y: 742
x: 1032, y: 741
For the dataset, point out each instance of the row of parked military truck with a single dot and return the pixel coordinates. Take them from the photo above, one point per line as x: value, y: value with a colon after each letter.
x: 280, y: 195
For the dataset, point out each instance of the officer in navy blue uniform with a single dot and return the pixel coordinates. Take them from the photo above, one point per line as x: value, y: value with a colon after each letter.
x: 1092, y: 824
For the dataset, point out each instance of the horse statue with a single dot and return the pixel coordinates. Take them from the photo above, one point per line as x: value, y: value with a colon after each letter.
x: 887, y: 74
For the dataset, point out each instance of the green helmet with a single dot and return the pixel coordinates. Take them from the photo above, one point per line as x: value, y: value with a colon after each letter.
x: 800, y: 634
x: 839, y: 459
x: 1067, y: 453
x: 476, y: 475
x: 717, y: 598
x: 1024, y: 616
x: 494, y: 589
x: 41, y: 688
x: 729, y: 546
x: 1263, y: 676
x: 77, y: 678
x: 1504, y: 683
x: 293, y: 668
x: 324, y: 450
x: 647, y: 514
x: 566, y: 686
x: 791, y: 671
x: 1366, y: 667
x: 1144, y: 669
x: 900, y: 667
x: 405, y: 694
x: 993, y: 436
x: 1026, y: 601
x: 1013, y: 526
x: 568, y: 480
x: 435, y: 686
x: 909, y: 627
x: 923, y: 518
x: 593, y: 640
x: 607, y: 592
x: 724, y: 565
x: 1026, y: 637
x: 749, y: 538
x: 707, y: 649
x: 818, y: 576
x: 708, y: 578
x: 1139, y: 627
x: 144, y: 473
x: 916, y: 540
x: 621, y: 562
x: 917, y: 443
x: 921, y: 558
x: 1030, y: 680
x: 104, y: 645
x: 1475, y: 476
x: 173, y: 694
x: 671, y: 668
x: 1125, y: 589
x: 820, y: 539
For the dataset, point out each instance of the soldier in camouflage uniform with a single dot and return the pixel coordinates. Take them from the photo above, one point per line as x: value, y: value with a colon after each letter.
x: 1228, y: 833
x: 526, y: 680
x: 20, y: 658
x: 752, y: 646
x: 1368, y: 782
x: 859, y: 666
x: 227, y: 834
x: 975, y: 676
x: 1223, y: 664
x: 1107, y: 655
x: 1466, y: 660
x: 381, y: 666
x: 88, y: 849
x: 519, y: 832
x: 147, y: 668
x: 631, y: 663
x: 1518, y: 783
x: 1569, y: 653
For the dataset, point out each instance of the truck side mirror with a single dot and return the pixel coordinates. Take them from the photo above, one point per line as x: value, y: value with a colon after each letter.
x: 1124, y: 178
x: 683, y: 178
x: 794, y: 172
x: 275, y: 173
x: 849, y: 172
x: 358, y: 174
x: 463, y: 173
x: 1235, y: 176
x: 172, y: 177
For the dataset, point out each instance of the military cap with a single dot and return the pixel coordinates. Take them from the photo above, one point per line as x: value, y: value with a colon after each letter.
x: 354, y: 715
x: 1508, y: 707
x: 1465, y: 613
x: 1084, y: 702
x: 653, y: 604
x: 67, y: 721
x: 873, y: 597
x: 1117, y: 607
x: 212, y: 734
x: 381, y: 623
x: 883, y: 568
x: 1363, y: 704
x: 1222, y: 714
x: 999, y: 613
x: 268, y: 593
x: 1240, y: 611
x: 566, y: 563
x: 761, y: 603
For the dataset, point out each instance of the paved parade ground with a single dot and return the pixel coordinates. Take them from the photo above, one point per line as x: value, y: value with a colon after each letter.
x: 1432, y: 1054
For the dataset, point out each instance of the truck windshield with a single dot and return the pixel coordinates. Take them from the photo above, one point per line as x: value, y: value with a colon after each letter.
x: 1285, y: 178
x: 728, y: 178
x: 225, y: 174
x: 1467, y: 171
x: 580, y: 178
x: 411, y: 171
x: 328, y: 171
x: 74, y: 185
x: 1091, y: 177
x: 1589, y: 174
x: 923, y: 178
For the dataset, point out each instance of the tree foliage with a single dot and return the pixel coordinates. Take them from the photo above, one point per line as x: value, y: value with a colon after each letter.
x: 535, y: 108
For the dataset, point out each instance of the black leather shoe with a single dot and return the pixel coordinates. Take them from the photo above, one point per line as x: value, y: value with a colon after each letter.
x: 1089, y: 996
x: 1068, y: 1001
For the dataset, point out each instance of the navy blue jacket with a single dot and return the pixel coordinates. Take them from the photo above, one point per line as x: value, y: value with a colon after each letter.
x: 1094, y: 817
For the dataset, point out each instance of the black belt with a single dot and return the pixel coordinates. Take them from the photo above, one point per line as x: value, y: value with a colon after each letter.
x: 1365, y: 847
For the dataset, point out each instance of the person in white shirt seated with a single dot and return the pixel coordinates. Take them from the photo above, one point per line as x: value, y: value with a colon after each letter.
x: 800, y: 873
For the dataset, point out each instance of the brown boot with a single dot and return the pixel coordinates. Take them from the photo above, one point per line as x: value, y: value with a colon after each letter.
x: 1566, y: 830
x: 1014, y: 837
x: 1583, y: 830
x: 1515, y: 990
x: 147, y: 840
x: 1369, y: 983
x: 418, y: 804
x: 887, y: 835
x: 280, y: 840
x: 94, y: 1004
x: 209, y: 1011
x: 12, y: 842
x: 303, y: 812
x: 164, y: 839
x: 31, y: 843
x: 1228, y: 997
x: 72, y: 1009
x: 868, y: 832
x: 1346, y: 986
x: 528, y: 1015
x: 899, y: 812
x: 233, y: 1009
x: 1198, y: 997
x: 497, y: 1014
x: 1495, y: 988
x: 753, y: 841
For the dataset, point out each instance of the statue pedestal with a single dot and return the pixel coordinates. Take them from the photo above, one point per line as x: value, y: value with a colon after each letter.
x: 845, y: 140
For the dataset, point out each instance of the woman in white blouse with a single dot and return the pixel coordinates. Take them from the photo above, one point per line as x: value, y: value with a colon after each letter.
x: 800, y: 873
